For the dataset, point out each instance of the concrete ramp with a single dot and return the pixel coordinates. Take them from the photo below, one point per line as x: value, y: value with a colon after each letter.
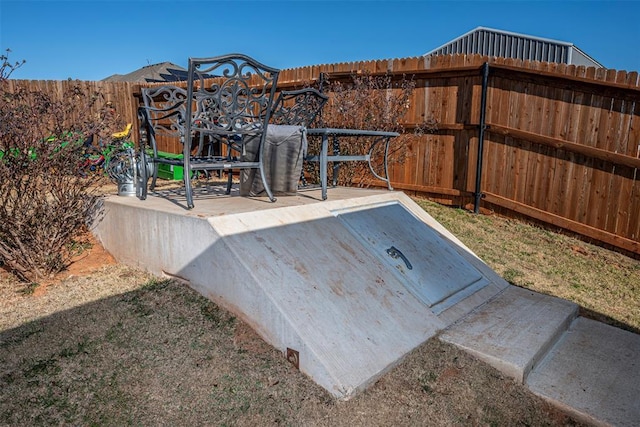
x: 344, y: 287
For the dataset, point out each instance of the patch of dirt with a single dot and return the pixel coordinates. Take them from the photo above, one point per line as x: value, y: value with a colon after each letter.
x: 85, y: 263
x: 90, y: 260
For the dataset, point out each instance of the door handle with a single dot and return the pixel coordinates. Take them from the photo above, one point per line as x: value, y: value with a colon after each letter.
x: 395, y: 253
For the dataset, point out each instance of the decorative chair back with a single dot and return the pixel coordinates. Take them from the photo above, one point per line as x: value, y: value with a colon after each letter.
x: 233, y: 94
x: 163, y: 114
x: 166, y: 110
x: 298, y: 107
x: 233, y: 97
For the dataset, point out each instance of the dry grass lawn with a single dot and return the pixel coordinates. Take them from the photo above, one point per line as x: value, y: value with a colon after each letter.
x: 605, y: 284
x: 110, y: 345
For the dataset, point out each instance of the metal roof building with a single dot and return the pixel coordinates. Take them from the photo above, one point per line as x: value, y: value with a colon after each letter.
x: 505, y: 44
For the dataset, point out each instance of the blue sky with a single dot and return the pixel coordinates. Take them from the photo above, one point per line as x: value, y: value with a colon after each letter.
x: 93, y: 39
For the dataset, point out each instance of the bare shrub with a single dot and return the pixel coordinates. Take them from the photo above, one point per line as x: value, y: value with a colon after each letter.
x: 373, y: 103
x: 45, y: 202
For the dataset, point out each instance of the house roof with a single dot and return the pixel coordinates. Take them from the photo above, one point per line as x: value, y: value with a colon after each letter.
x: 155, y: 73
x: 506, y: 44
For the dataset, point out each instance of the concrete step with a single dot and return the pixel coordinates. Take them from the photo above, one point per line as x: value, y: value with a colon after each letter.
x: 593, y: 372
x: 514, y: 330
x: 586, y: 368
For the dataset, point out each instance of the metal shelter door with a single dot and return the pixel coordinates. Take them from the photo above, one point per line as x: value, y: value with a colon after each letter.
x: 425, y: 262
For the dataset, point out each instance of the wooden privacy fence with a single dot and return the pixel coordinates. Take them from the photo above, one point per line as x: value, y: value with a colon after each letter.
x: 559, y: 144
x: 556, y: 143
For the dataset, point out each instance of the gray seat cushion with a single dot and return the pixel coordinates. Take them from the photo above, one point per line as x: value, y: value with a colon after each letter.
x: 285, y: 148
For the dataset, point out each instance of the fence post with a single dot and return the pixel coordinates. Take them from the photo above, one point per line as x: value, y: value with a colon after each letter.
x: 482, y: 126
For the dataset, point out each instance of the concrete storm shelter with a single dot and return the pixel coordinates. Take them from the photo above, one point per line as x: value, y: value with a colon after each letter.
x: 346, y: 287
x: 343, y: 287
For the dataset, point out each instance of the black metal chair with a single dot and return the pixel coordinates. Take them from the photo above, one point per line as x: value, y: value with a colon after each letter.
x: 163, y: 114
x: 232, y: 102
